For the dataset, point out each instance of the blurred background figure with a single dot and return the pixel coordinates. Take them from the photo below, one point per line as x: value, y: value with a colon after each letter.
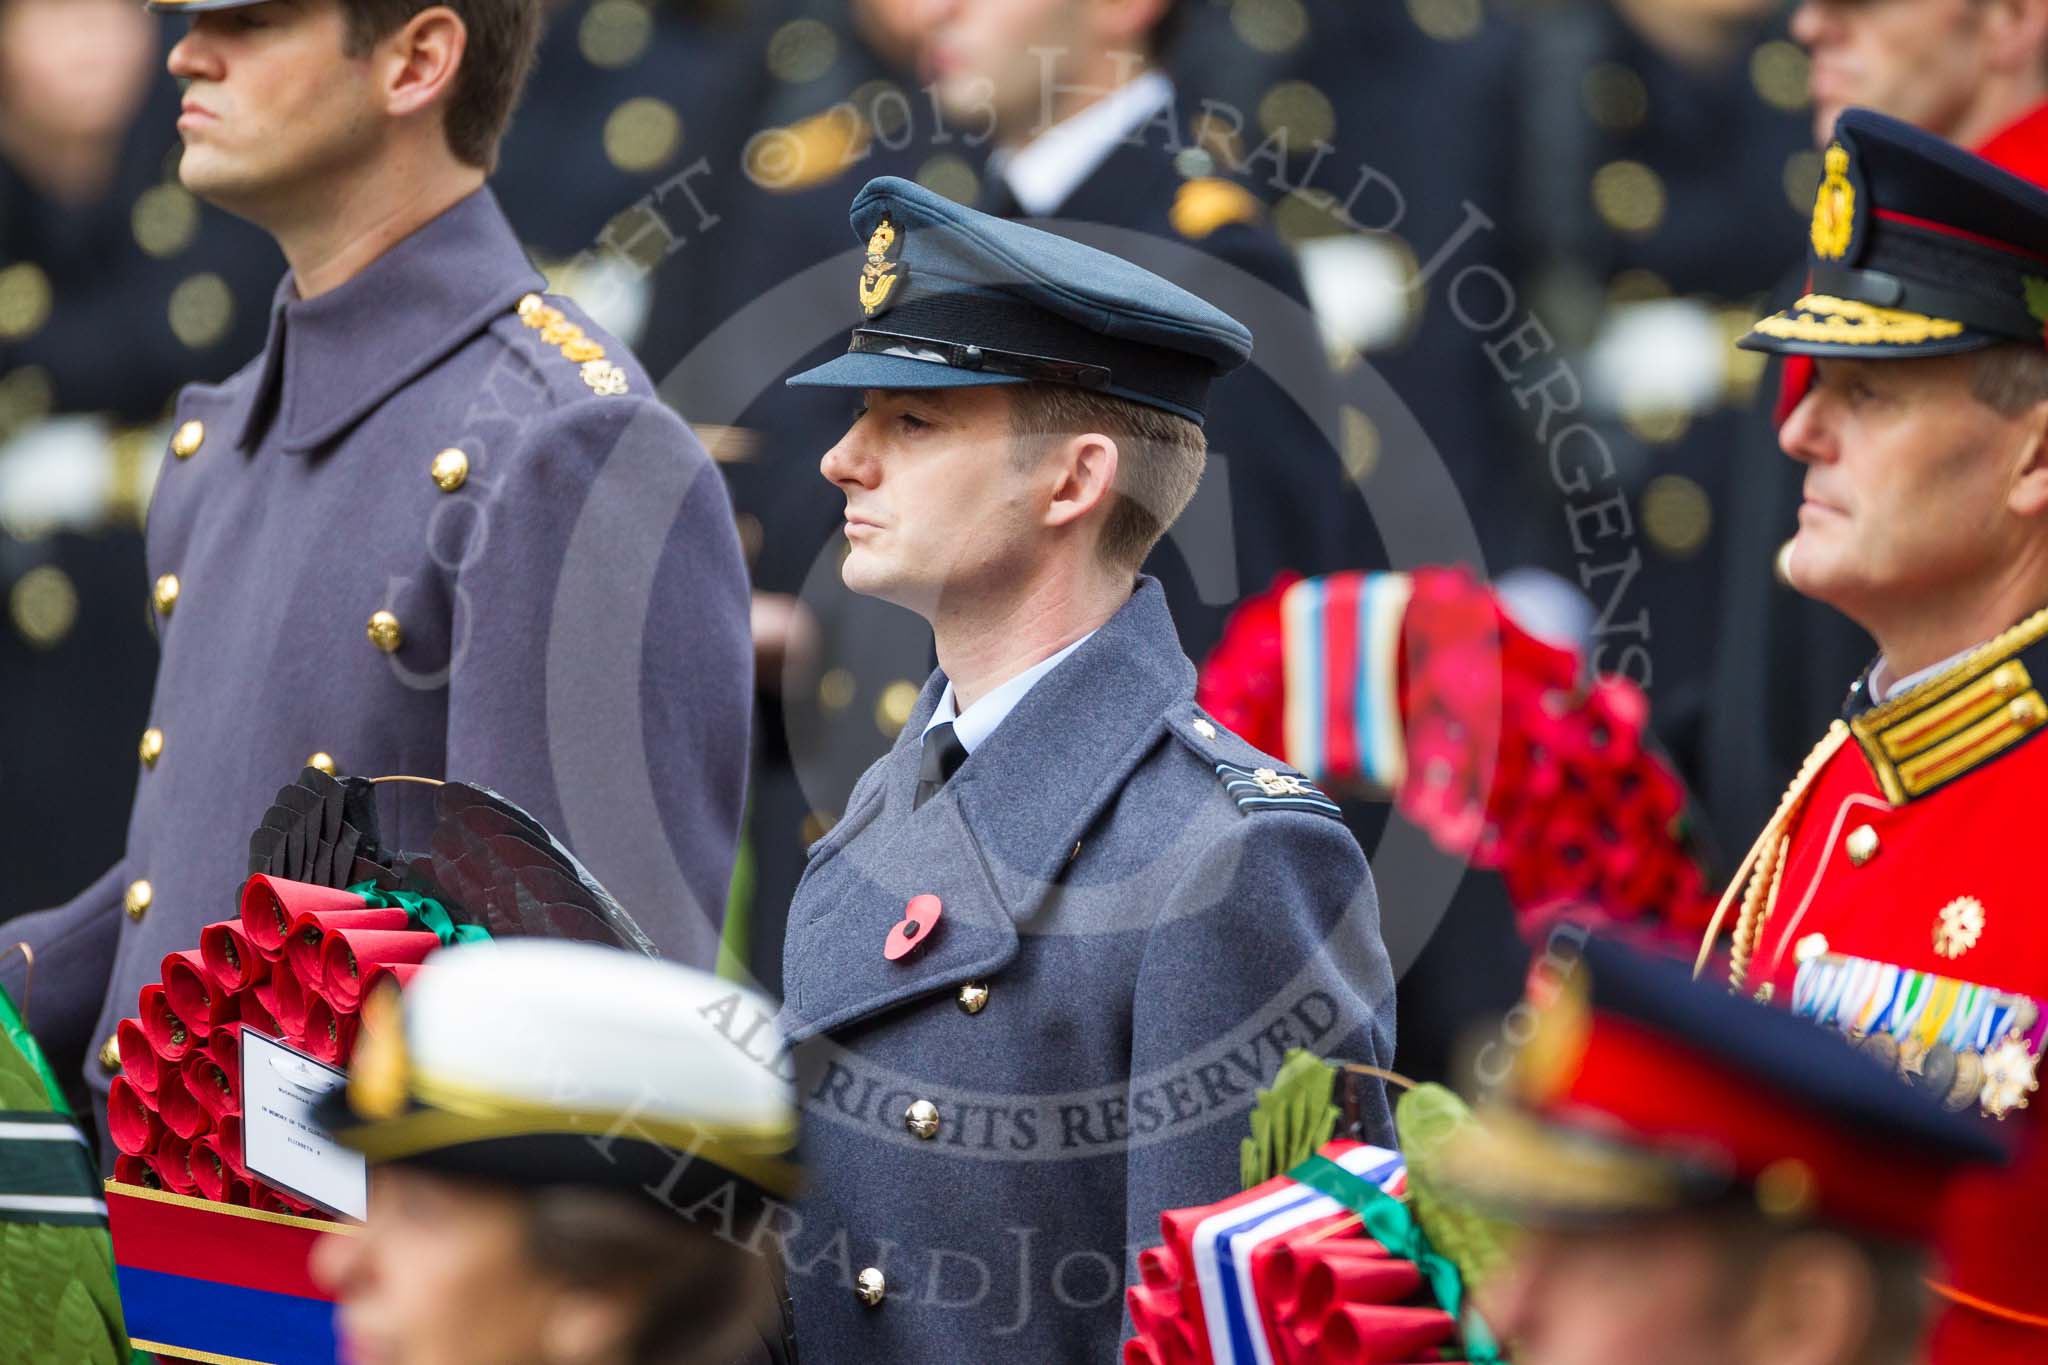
x: 626, y: 99
x: 568, y: 1158
x: 1700, y: 1180
x: 1090, y: 131
x: 116, y: 287
x: 1383, y: 137
x: 1976, y: 73
x: 818, y: 100
x: 1662, y: 167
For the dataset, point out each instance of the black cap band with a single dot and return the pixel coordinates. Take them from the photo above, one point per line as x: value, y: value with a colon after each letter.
x: 1882, y: 289
x: 993, y: 324
x: 868, y: 341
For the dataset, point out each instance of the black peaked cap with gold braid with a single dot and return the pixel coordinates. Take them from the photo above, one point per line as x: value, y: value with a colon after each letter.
x: 1917, y: 248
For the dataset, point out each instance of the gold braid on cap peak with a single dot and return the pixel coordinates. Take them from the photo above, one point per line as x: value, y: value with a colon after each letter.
x: 1763, y: 867
x: 1851, y: 322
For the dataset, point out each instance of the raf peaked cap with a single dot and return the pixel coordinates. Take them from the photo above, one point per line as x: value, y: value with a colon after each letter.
x: 951, y: 298
x: 542, y: 1063
x: 1644, y: 1092
x: 1917, y: 248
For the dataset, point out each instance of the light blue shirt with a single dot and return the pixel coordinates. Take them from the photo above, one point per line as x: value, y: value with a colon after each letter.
x: 982, y: 718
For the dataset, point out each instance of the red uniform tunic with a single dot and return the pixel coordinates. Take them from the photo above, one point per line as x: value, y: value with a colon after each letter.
x: 2022, y: 147
x: 1899, y: 898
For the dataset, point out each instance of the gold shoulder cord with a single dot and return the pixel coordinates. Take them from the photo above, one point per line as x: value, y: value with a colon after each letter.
x: 1756, y: 880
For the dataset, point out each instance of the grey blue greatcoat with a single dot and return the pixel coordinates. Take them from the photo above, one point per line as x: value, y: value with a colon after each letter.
x: 439, y: 527
x: 1133, y: 931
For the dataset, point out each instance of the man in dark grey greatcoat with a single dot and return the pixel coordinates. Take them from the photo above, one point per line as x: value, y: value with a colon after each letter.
x: 439, y: 527
x: 1069, y: 924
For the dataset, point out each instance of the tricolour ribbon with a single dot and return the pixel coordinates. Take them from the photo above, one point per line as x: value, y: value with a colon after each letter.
x: 1388, y: 1221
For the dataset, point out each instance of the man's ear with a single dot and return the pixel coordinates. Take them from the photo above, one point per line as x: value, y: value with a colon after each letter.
x: 2016, y: 33
x: 2029, y: 494
x: 586, y: 1325
x: 1814, y: 1301
x: 418, y: 63
x: 1083, y: 469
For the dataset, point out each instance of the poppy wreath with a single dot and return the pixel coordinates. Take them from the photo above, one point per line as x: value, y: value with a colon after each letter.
x: 296, y: 963
x: 1419, y: 687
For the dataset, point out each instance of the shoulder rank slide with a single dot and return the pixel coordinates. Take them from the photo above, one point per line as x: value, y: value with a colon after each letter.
x: 603, y: 377
x: 1258, y: 789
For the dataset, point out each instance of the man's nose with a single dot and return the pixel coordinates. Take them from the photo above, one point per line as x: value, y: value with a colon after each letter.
x: 192, y: 57
x: 335, y: 1261
x: 1807, y: 436
x: 848, y: 462
x: 1809, y: 23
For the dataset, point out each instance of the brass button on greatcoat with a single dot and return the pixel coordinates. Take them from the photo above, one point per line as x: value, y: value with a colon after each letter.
x: 385, y: 633
x: 189, y: 438
x: 110, y: 1053
x: 165, y: 594
x: 1861, y: 844
x: 974, y: 997
x: 922, y: 1119
x: 450, y: 469
x: 871, y: 1287
x: 137, y: 901
x: 322, y: 760
x: 152, y: 747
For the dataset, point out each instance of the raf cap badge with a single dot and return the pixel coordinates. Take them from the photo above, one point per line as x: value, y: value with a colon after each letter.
x: 881, y: 271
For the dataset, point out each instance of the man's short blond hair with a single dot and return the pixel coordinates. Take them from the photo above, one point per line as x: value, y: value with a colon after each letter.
x: 1160, y: 457
x: 2011, y: 377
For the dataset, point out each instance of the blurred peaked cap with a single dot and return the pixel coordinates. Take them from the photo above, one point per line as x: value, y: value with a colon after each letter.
x: 949, y: 297
x: 1916, y: 248
x: 1643, y: 1091
x: 542, y: 1062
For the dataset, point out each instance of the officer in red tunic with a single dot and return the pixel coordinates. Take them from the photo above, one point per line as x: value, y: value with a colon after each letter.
x: 1894, y: 895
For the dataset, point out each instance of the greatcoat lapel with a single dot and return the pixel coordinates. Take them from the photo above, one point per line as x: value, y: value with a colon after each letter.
x: 994, y: 843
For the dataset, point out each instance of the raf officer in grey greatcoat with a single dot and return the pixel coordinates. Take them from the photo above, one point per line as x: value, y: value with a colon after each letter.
x: 1069, y: 923
x: 438, y: 527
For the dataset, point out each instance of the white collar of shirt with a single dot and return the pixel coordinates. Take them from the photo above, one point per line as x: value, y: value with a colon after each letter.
x: 1045, y: 172
x: 1883, y: 688
x: 981, y: 719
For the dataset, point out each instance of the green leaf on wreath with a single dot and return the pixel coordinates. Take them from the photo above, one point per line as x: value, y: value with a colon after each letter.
x: 1291, y: 1120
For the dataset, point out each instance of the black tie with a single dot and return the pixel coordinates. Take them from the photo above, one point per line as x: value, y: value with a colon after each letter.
x: 943, y: 755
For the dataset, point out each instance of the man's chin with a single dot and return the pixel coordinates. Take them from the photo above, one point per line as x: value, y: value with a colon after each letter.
x: 207, y: 175
x: 861, y: 574
x: 1813, y: 570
